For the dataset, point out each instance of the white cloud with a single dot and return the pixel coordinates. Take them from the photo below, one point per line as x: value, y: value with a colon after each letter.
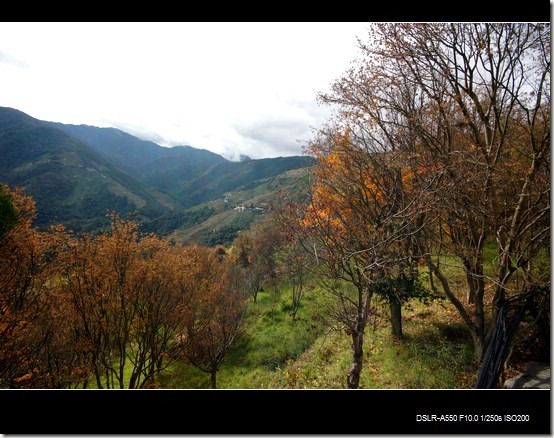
x: 233, y: 88
x: 6, y: 58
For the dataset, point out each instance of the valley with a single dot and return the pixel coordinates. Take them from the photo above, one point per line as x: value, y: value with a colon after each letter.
x: 78, y: 173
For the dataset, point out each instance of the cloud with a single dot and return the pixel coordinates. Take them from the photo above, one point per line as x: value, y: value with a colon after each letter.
x: 273, y: 136
x: 6, y: 58
x: 282, y: 129
x: 232, y: 88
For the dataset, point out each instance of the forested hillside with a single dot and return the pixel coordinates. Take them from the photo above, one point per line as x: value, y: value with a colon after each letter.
x: 410, y: 250
x: 71, y: 183
x: 77, y: 174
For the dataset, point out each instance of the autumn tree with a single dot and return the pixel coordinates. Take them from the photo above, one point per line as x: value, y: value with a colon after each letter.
x: 358, y: 229
x: 29, y: 266
x: 254, y: 252
x: 215, y: 320
x: 162, y: 303
x: 130, y: 294
x: 294, y: 266
x: 459, y: 105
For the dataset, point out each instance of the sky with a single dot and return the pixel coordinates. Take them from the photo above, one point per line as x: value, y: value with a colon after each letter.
x: 234, y: 88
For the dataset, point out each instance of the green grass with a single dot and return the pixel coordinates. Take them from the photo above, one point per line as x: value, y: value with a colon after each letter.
x: 277, y: 352
x: 432, y: 355
x: 272, y: 340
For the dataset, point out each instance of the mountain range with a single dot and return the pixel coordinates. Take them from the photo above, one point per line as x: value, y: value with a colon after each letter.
x: 79, y: 173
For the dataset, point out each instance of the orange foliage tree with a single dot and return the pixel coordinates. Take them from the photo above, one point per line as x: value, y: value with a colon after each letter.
x: 130, y: 295
x: 460, y: 105
x: 115, y: 309
x: 216, y: 316
x: 29, y: 266
x: 360, y: 231
x: 254, y: 254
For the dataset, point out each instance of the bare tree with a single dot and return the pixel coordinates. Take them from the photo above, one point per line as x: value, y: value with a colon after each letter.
x: 461, y: 104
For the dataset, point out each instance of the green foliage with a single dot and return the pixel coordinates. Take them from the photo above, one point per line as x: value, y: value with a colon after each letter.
x: 8, y: 213
x: 403, y: 288
x: 221, y: 236
x: 227, y: 233
x: 169, y: 222
x: 78, y: 173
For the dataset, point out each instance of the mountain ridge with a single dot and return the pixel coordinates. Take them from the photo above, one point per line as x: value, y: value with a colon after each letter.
x: 78, y: 173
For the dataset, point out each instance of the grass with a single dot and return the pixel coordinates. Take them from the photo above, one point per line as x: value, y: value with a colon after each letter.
x: 277, y: 352
x: 424, y: 359
x: 271, y: 341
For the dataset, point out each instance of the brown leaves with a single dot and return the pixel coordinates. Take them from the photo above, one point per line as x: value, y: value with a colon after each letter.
x: 110, y: 307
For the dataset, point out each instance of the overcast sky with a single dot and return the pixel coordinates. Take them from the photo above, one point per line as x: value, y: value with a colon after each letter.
x: 229, y: 87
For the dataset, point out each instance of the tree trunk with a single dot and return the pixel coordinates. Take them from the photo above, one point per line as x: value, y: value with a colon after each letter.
x: 477, y: 329
x: 474, y: 279
x: 479, y: 345
x: 470, y: 282
x: 353, y: 379
x: 396, y: 318
x: 213, y: 375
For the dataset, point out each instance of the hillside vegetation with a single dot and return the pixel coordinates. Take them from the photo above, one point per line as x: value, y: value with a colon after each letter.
x: 412, y: 250
x: 78, y: 173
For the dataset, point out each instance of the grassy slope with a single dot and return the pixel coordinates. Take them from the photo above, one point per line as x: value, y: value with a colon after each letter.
x: 436, y: 353
x: 293, y: 182
x: 280, y: 353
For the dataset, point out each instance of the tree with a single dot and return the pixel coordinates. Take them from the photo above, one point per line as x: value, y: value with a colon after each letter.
x: 129, y: 294
x: 162, y: 302
x: 215, y: 320
x: 294, y: 265
x: 8, y: 213
x: 358, y: 229
x: 28, y: 265
x: 254, y: 251
x: 460, y: 104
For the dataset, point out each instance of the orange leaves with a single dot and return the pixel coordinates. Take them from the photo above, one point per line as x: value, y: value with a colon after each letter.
x: 215, y: 314
x: 29, y: 269
x: 77, y: 307
x: 355, y: 191
x: 136, y: 295
x: 23, y: 378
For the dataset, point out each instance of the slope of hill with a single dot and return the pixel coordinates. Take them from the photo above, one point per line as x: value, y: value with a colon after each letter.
x: 70, y: 182
x: 190, y: 176
x: 78, y: 173
x: 232, y: 176
x: 238, y: 209
x: 161, y: 167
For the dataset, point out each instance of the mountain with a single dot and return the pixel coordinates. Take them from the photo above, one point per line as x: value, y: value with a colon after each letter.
x: 158, y: 166
x: 231, y: 176
x: 70, y: 182
x: 225, y: 217
x: 77, y: 173
x: 187, y: 175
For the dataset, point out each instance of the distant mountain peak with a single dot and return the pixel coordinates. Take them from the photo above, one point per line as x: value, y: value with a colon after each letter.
x: 244, y: 158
